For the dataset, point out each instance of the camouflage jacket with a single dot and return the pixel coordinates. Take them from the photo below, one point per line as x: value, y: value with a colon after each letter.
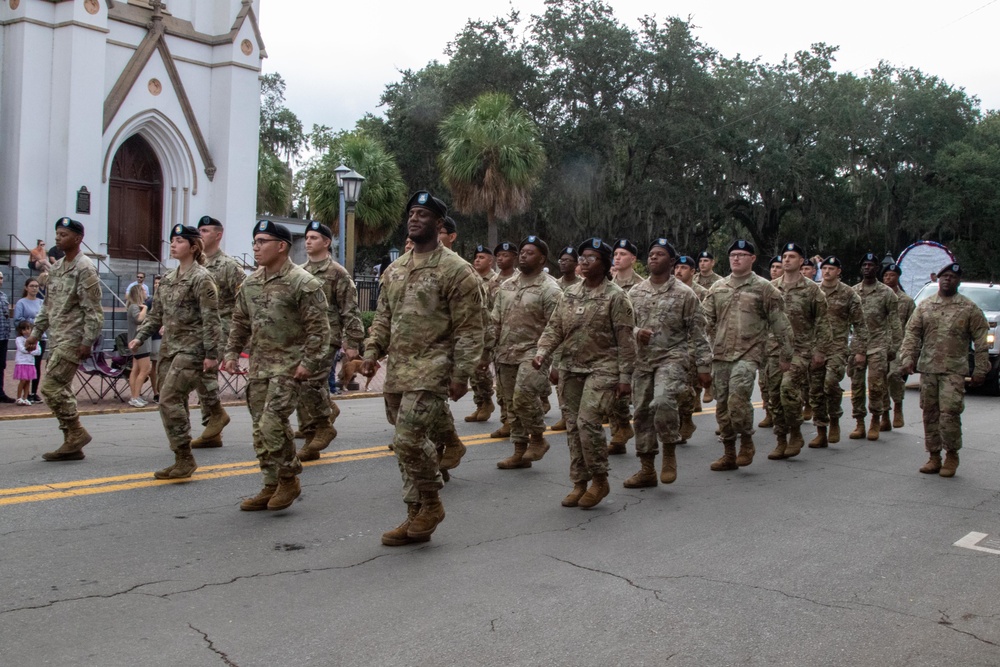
x: 940, y: 332
x: 563, y: 285
x: 806, y: 310
x: 228, y: 275
x: 187, y: 307
x: 594, y: 331
x: 429, y: 321
x: 740, y: 312
x: 906, y: 308
x: 698, y: 290
x: 71, y: 313
x: 346, y: 327
x: 881, y: 308
x: 522, y: 309
x: 283, y: 317
x: 672, y: 312
x: 707, y: 281
x: 493, y: 285
x: 627, y: 283
x: 847, y: 320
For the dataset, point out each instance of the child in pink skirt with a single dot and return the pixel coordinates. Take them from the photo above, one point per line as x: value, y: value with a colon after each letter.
x: 24, y: 363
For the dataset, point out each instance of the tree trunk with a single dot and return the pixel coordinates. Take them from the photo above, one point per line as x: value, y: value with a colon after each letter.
x: 491, y: 229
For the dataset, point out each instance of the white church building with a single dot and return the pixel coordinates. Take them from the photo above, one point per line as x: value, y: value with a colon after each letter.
x: 129, y: 116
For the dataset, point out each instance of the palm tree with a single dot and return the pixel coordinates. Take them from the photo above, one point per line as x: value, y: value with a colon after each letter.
x: 379, y: 210
x: 273, y: 183
x: 492, y: 159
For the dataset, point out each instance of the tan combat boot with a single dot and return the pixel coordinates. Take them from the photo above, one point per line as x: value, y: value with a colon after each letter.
x: 859, y: 430
x: 897, y: 416
x: 933, y: 465
x: 453, y: 452
x: 431, y: 513
x: 668, y: 471
x: 537, y: 447
x: 834, y: 432
x: 820, y: 440
x: 747, y: 450
x: 259, y: 502
x: 183, y: 467
x: 321, y: 439
x: 619, y: 436
x: 515, y: 460
x: 778, y: 452
x: 597, y: 492
x: 286, y: 493
x: 572, y: 499
x: 559, y: 425
x: 334, y: 410
x: 687, y: 427
x: 807, y: 413
x: 75, y: 438
x: 483, y: 412
x: 646, y: 476
x: 885, y: 424
x: 767, y: 421
x: 708, y: 396
x: 212, y: 435
x: 502, y: 432
x: 397, y: 537
x: 795, y: 442
x: 306, y: 435
x: 873, y: 427
x: 728, y: 459
x: 950, y: 464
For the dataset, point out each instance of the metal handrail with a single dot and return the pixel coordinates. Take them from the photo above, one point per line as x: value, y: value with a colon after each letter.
x: 247, y: 265
x: 10, y: 261
x: 155, y: 259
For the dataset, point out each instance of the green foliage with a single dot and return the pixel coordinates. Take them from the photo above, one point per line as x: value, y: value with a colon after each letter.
x: 273, y: 183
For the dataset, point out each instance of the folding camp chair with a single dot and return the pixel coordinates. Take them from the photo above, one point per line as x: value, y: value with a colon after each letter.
x: 235, y: 382
x: 100, y: 376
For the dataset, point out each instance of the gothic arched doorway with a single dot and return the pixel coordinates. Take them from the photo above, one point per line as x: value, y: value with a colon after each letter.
x: 135, y: 202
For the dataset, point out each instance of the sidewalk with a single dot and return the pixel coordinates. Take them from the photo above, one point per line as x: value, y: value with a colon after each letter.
x: 112, y: 405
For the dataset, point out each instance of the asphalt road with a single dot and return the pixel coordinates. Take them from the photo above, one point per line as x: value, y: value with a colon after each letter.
x: 843, y: 556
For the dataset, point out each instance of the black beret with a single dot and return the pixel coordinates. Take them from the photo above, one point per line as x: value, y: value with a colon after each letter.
x: 70, y: 224
x: 665, y: 244
x: 742, y: 244
x: 895, y: 268
x: 704, y: 254
x: 184, y: 231
x: 625, y: 244
x: 279, y: 232
x: 601, y: 247
x: 794, y: 247
x: 424, y: 199
x: 954, y: 267
x: 869, y: 257
x: 450, y: 226
x: 505, y: 246
x: 807, y: 261
x: 831, y: 261
x: 569, y: 250
x: 531, y: 239
x: 687, y: 260
x: 481, y: 249
x: 208, y: 221
x: 320, y: 228
x: 775, y: 260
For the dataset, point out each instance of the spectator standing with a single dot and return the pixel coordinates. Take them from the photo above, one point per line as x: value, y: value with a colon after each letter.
x: 26, y: 310
x: 55, y: 254
x: 140, y: 280
x: 154, y: 343
x: 24, y: 363
x: 135, y: 303
x: 37, y: 255
x: 4, y: 337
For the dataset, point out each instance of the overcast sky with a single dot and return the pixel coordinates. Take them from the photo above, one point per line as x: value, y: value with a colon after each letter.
x: 337, y: 57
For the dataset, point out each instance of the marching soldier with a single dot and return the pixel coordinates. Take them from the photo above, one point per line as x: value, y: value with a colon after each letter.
x: 430, y: 322
x: 482, y: 381
x: 186, y: 306
x: 506, y: 258
x: 567, y: 278
x: 281, y: 314
x: 690, y: 402
x: 770, y: 356
x: 897, y: 381
x: 73, y: 317
x: 624, y: 258
x: 669, y: 326
x: 706, y: 275
x: 936, y: 345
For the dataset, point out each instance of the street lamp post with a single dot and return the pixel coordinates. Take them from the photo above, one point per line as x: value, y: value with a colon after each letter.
x: 351, y: 190
x: 340, y: 171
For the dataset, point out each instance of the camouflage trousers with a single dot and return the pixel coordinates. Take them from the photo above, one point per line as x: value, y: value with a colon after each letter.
x: 897, y: 383
x: 57, y: 384
x: 586, y: 398
x: 522, y: 388
x: 482, y: 385
x: 416, y: 414
x: 942, y: 399
x: 762, y: 373
x: 208, y: 394
x: 619, y: 415
x: 271, y: 402
x: 688, y: 400
x: 785, y: 394
x: 656, y: 394
x: 314, y: 409
x: 177, y: 377
x: 877, y: 365
x: 733, y: 384
x: 825, y: 393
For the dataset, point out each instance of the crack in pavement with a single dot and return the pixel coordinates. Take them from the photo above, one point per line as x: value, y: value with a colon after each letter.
x: 211, y: 647
x: 96, y: 596
x: 656, y: 592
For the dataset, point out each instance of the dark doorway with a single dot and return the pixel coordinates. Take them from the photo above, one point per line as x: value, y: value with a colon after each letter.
x: 135, y: 202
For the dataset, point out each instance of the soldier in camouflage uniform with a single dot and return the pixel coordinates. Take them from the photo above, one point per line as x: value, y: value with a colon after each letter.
x: 689, y: 402
x: 594, y: 325
x: 770, y: 356
x: 567, y: 278
x: 741, y: 310
x: 73, y: 317
x: 849, y: 340
x: 523, y: 306
x: 669, y: 326
x: 938, y: 337
x: 506, y: 258
x: 482, y: 381
x: 430, y: 322
x: 186, y: 305
x: 228, y: 275
x: 897, y: 381
x: 317, y: 412
x: 625, y: 256
x: 281, y: 315
x: 881, y: 309
x: 706, y: 275
x: 805, y: 308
